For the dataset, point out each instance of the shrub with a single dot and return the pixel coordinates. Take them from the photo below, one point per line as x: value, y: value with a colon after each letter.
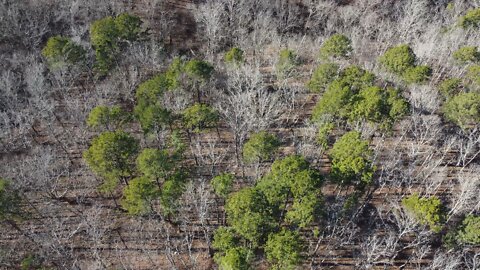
x: 463, y: 109
x: 9, y: 201
x: 199, y: 117
x: 283, y: 250
x: 223, y: 184
x: 470, y: 230
x: 112, y: 156
x: 471, y: 19
x: 351, y: 160
x: 234, y: 56
x: 60, y: 50
x: 323, y: 75
x: 336, y: 46
x: 261, y: 146
x: 249, y: 214
x: 418, y: 74
x: 450, y: 87
x: 467, y: 54
x: 138, y: 196
x: 427, y: 211
x: 398, y: 59
x: 107, y: 117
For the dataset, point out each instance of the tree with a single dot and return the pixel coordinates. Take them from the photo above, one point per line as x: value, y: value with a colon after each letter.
x: 398, y: 59
x: 250, y: 215
x: 223, y: 184
x: 292, y: 177
x: 138, y: 195
x: 467, y: 54
x: 287, y: 61
x: 112, y: 156
x: 224, y: 239
x: 450, y: 87
x: 469, y: 232
x: 417, y: 74
x: 199, y: 117
x: 351, y: 160
x: 107, y: 34
x: 60, y: 50
x: 128, y: 27
x: 172, y: 189
x: 237, y: 258
x: 155, y: 164
x: 261, y: 146
x: 427, y: 211
x: 234, y: 56
x: 473, y: 74
x: 200, y: 70
x: 149, y: 110
x: 337, y: 46
x: 9, y: 201
x: 463, y: 109
x: 471, y: 19
x: 283, y: 250
x: 107, y: 117
x: 323, y: 75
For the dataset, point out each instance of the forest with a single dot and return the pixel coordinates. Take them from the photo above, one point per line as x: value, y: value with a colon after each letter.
x: 240, y: 134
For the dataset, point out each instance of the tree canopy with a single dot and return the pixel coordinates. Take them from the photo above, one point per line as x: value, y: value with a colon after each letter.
x: 284, y: 250
x: 427, y: 211
x: 463, y: 109
x: 260, y: 146
x: 60, y: 50
x: 336, y: 46
x: 107, y: 117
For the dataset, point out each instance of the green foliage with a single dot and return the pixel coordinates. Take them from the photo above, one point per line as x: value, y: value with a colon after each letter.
x: 249, y: 213
x: 467, y: 54
x: 27, y: 263
x: 398, y: 59
x: 336, y: 46
x: 128, y: 27
x: 293, y: 177
x: 174, y: 73
x: 234, y: 56
x: 60, y: 50
x: 470, y: 230
x: 155, y: 164
x: 106, y: 36
x: 417, y: 74
x: 261, y: 146
x: 287, y: 61
x: 398, y: 105
x: 138, y: 196
x: 283, y: 250
x: 471, y: 19
x: 9, y: 201
x: 473, y: 74
x: 463, y: 109
x: 172, y: 189
x: 149, y: 110
x: 112, y: 156
x: 305, y: 209
x: 450, y: 87
x: 223, y: 184
x: 199, y: 117
x: 238, y: 258
x: 354, y: 97
x: 323, y: 135
x: 427, y: 211
x: 107, y: 117
x: 351, y: 160
x: 224, y: 239
x: 323, y: 75
x: 198, y: 69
